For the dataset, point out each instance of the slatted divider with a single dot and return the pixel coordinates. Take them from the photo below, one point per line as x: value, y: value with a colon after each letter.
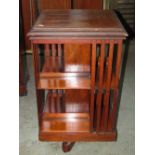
x: 93, y: 71
x: 53, y: 50
x: 108, y: 84
x: 101, y: 75
x: 109, y: 63
x: 113, y: 112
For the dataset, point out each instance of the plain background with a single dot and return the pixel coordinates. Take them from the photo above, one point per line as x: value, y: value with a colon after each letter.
x: 145, y: 77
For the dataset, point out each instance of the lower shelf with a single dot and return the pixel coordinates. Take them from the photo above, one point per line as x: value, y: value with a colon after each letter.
x: 66, y: 111
x: 67, y: 123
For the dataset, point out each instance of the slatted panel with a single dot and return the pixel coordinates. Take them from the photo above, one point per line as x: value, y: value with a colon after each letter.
x: 127, y: 10
x: 107, y: 91
x: 101, y: 75
x: 93, y: 71
x: 57, y: 50
x: 113, y: 112
x: 109, y: 62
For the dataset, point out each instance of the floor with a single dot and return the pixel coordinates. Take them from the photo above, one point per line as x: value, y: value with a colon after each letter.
x: 29, y: 144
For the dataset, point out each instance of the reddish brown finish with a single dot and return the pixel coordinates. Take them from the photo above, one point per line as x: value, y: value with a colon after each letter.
x: 77, y: 80
x: 87, y: 4
x: 69, y: 124
x: 22, y: 75
x: 37, y: 6
x: 39, y: 93
x: 93, y: 70
x: 79, y: 60
x: 55, y: 4
x: 59, y: 50
x: 86, y: 137
x: 92, y: 24
x: 66, y: 146
x: 107, y: 93
x: 53, y: 50
x: 112, y: 120
x: 47, y: 51
x: 64, y: 83
x: 23, y: 72
x: 25, y: 7
x: 100, y: 87
x: 67, y: 101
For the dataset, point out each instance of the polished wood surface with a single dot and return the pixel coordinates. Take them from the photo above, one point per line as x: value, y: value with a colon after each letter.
x: 77, y: 83
x: 26, y: 13
x: 55, y: 4
x: 85, y: 136
x: 67, y: 101
x: 64, y: 83
x: 77, y: 23
x: 63, y: 125
x: 79, y: 60
x: 87, y: 4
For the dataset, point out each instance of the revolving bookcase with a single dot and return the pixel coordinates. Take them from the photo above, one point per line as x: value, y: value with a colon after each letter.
x: 77, y: 76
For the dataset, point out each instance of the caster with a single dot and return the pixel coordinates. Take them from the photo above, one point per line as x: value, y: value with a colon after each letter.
x: 67, y: 146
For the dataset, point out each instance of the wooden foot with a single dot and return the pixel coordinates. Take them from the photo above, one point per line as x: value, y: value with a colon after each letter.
x: 67, y: 146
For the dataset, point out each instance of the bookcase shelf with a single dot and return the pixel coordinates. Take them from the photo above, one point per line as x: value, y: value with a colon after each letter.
x: 67, y: 101
x: 67, y: 123
x: 57, y: 75
x: 60, y: 64
x: 64, y: 83
x: 64, y: 111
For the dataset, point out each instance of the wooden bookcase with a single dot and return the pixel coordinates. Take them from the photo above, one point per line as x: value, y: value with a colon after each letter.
x: 76, y: 87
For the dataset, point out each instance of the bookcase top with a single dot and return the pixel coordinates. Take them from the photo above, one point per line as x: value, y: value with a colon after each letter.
x: 77, y: 23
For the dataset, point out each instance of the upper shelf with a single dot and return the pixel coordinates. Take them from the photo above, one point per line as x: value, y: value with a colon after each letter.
x: 58, y: 64
x: 56, y: 75
x: 76, y: 24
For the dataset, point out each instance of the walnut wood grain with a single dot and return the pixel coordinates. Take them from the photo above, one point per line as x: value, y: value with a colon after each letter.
x: 55, y: 4
x: 71, y: 124
x: 87, y: 4
x: 77, y: 23
x: 105, y: 115
x: 78, y: 82
x: 85, y: 136
x: 100, y: 87
x: 67, y: 101
x: 64, y: 83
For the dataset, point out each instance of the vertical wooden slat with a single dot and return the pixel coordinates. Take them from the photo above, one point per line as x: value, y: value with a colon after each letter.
x: 118, y: 63
x: 93, y: 67
x: 47, y: 50
x: 63, y: 101
x: 113, y: 113
x: 39, y: 93
x: 59, y: 50
x: 52, y: 103
x: 112, y: 117
x: 49, y: 100
x: 53, y: 50
x: 99, y: 95
x: 35, y: 62
x: 108, y: 83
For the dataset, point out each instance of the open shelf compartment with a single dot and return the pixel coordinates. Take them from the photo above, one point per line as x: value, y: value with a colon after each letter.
x: 56, y: 75
x: 66, y: 111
